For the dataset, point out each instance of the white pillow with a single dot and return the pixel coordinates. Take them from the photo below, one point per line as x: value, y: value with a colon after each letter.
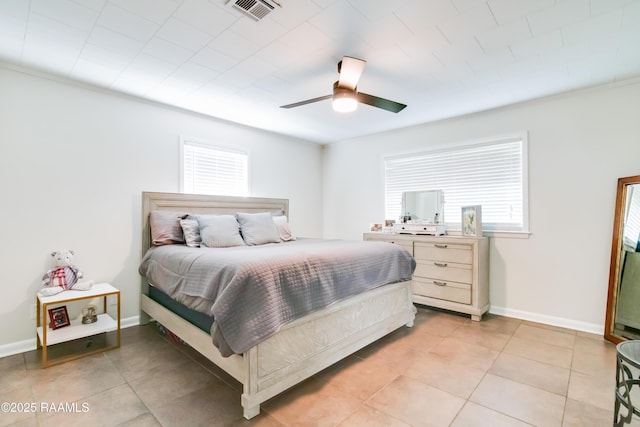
x: 258, y: 228
x: 219, y: 231
x: 283, y: 228
x: 191, y: 231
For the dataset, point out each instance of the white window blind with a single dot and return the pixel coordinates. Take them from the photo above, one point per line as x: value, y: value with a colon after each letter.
x: 208, y: 169
x: 491, y: 174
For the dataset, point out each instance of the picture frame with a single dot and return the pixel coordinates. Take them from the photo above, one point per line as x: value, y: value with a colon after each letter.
x: 471, y: 222
x: 59, y: 317
x: 375, y: 227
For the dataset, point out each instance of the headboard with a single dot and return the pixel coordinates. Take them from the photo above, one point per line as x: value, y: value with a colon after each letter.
x: 203, y: 204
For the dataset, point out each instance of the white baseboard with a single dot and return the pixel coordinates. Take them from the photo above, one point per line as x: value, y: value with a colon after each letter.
x: 592, y: 328
x: 30, y: 344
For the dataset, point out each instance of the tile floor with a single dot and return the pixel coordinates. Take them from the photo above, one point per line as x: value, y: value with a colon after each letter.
x: 445, y: 371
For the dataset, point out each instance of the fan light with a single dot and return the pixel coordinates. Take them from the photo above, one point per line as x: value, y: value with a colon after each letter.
x: 344, y: 103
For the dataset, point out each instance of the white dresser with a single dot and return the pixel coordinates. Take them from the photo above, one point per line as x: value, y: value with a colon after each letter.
x: 451, y: 272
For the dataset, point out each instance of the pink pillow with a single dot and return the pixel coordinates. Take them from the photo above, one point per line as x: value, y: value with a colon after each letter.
x: 165, y: 227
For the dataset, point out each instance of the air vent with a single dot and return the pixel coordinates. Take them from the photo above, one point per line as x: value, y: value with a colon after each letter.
x: 254, y: 9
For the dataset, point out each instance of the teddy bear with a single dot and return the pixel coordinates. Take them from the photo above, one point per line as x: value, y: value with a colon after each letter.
x: 63, y: 276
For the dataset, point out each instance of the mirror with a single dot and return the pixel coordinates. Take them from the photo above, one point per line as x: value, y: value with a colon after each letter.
x: 423, y: 206
x: 623, y: 302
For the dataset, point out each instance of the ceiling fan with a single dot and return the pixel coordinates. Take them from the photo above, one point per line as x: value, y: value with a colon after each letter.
x: 345, y: 94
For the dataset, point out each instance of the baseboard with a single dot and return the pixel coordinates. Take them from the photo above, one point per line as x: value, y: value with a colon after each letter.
x: 592, y: 328
x: 30, y: 344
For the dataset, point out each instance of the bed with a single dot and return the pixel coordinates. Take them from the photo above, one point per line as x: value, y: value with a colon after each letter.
x: 298, y: 349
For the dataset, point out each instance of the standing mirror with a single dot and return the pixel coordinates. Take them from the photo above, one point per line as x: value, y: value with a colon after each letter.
x: 623, y: 302
x: 423, y: 206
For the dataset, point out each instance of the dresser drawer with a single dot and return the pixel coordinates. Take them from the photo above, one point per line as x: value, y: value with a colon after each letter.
x: 446, y: 252
x: 445, y: 290
x: 446, y: 271
x: 405, y: 244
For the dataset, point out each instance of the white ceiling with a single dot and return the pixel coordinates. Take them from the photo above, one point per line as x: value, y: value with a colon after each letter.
x: 442, y: 58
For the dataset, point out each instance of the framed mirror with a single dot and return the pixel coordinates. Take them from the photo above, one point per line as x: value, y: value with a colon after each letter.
x: 424, y: 206
x: 623, y: 302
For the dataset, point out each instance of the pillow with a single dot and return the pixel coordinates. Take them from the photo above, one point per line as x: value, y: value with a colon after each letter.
x: 219, y: 231
x: 283, y: 228
x: 165, y: 227
x: 258, y: 228
x: 191, y: 231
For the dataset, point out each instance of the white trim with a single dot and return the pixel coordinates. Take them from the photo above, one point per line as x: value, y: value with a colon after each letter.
x: 30, y: 344
x: 592, y: 328
x: 493, y: 233
x: 525, y: 183
x: 17, y: 347
x: 507, y: 234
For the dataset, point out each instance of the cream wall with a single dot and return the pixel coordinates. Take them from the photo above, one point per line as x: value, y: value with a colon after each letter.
x: 579, y: 144
x: 73, y: 163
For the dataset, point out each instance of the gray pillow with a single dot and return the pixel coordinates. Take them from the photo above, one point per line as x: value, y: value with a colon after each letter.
x: 219, y: 231
x: 191, y: 231
x: 165, y: 227
x: 258, y: 228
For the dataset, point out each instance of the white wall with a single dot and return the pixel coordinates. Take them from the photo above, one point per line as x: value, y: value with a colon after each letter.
x: 579, y: 145
x: 73, y: 164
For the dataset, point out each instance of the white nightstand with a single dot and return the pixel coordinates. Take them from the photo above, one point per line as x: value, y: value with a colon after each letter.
x: 45, y: 336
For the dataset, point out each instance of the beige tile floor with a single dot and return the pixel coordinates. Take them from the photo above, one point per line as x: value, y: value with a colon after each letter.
x: 445, y: 371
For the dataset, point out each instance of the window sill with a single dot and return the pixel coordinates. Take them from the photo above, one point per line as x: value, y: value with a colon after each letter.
x: 508, y: 234
x: 498, y: 234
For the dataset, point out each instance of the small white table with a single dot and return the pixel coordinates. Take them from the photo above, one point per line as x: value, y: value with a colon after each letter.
x: 45, y: 336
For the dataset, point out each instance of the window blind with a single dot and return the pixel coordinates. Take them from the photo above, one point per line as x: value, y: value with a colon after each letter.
x: 214, y: 170
x: 490, y: 174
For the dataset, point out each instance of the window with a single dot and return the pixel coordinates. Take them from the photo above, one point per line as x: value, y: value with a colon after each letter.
x: 207, y: 169
x: 491, y: 174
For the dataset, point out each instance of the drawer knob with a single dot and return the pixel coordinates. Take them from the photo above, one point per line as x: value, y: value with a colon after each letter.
x: 440, y: 264
x: 435, y: 282
x: 441, y: 246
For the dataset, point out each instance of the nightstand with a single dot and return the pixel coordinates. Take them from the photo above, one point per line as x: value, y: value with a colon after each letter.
x: 46, y: 336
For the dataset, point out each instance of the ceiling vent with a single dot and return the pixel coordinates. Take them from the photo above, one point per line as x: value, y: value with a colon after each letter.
x: 254, y: 9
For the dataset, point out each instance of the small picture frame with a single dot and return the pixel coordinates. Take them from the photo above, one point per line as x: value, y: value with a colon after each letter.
x: 59, y: 317
x: 375, y: 227
x: 472, y: 221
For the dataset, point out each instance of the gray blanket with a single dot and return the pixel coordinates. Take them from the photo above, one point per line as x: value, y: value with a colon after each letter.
x: 252, y: 291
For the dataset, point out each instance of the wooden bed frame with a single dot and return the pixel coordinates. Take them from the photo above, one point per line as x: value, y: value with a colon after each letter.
x: 300, y: 349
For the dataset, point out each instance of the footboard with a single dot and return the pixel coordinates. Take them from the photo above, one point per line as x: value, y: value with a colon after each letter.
x: 304, y: 347
x: 321, y: 339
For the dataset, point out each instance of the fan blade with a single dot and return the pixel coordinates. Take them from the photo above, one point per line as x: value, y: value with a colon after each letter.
x: 308, y: 101
x: 385, y: 104
x: 350, y: 70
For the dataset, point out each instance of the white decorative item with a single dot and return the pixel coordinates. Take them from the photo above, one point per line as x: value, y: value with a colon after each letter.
x: 472, y: 221
x: 419, y: 228
x: 63, y: 276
